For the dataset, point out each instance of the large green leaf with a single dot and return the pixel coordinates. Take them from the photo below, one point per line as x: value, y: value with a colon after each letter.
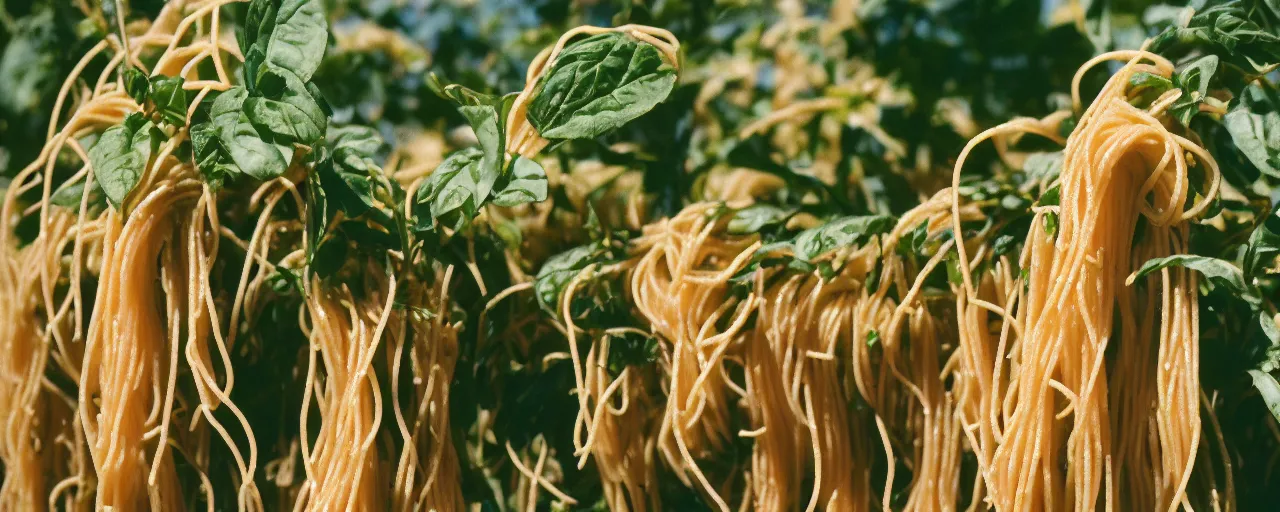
x: 246, y: 148
x: 288, y: 34
x: 121, y: 154
x: 284, y: 109
x: 599, y: 84
x: 1254, y: 125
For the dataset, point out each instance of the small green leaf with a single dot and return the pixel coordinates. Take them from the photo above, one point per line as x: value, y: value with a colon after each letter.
x: 450, y: 193
x: 1271, y: 360
x: 1219, y: 272
x: 1193, y: 78
x: 754, y: 218
x: 170, y: 99
x: 527, y: 184
x: 1264, y: 244
x: 347, y: 180
x: 1043, y: 166
x: 68, y: 196
x: 121, y: 154
x: 839, y: 233
x: 1269, y: 389
x: 873, y: 338
x: 558, y: 270
x: 136, y: 85
x: 211, y: 157
x: 599, y: 84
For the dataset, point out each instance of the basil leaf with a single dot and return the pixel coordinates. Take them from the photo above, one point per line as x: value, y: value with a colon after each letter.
x: 346, y: 180
x: 330, y: 255
x: 285, y: 110
x: 136, y: 85
x: 251, y: 154
x: 211, y: 157
x: 754, y: 218
x: 843, y: 232
x: 362, y: 139
x: 68, y: 196
x: 1269, y: 389
x: 1043, y: 166
x: 1193, y: 78
x: 1271, y: 331
x: 1224, y: 30
x: 121, y: 154
x: 1254, y: 125
x: 486, y: 121
x: 556, y: 273
x: 631, y: 349
x: 528, y: 184
x: 1221, y: 273
x: 451, y: 193
x: 599, y: 84
x: 1264, y: 244
x: 288, y: 34
x: 170, y: 99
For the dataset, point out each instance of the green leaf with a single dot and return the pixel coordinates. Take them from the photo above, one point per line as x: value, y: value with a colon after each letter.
x: 284, y: 109
x: 211, y: 157
x: 1193, y: 78
x: 347, y: 180
x: 754, y: 218
x: 451, y: 193
x: 1043, y: 166
x: 1219, y: 272
x: 631, y: 349
x: 1271, y: 360
x: 1254, y: 125
x: 527, y: 184
x: 289, y: 34
x: 839, y: 233
x: 558, y: 270
x: 170, y: 99
x: 362, y: 139
x: 330, y: 256
x: 68, y: 196
x: 486, y: 121
x: 599, y: 84
x: 1226, y: 31
x: 121, y: 154
x: 244, y: 145
x: 1264, y: 244
x: 1269, y: 389
x: 136, y: 85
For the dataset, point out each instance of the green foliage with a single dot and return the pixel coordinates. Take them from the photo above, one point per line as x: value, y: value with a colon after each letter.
x: 598, y: 84
x: 121, y: 155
